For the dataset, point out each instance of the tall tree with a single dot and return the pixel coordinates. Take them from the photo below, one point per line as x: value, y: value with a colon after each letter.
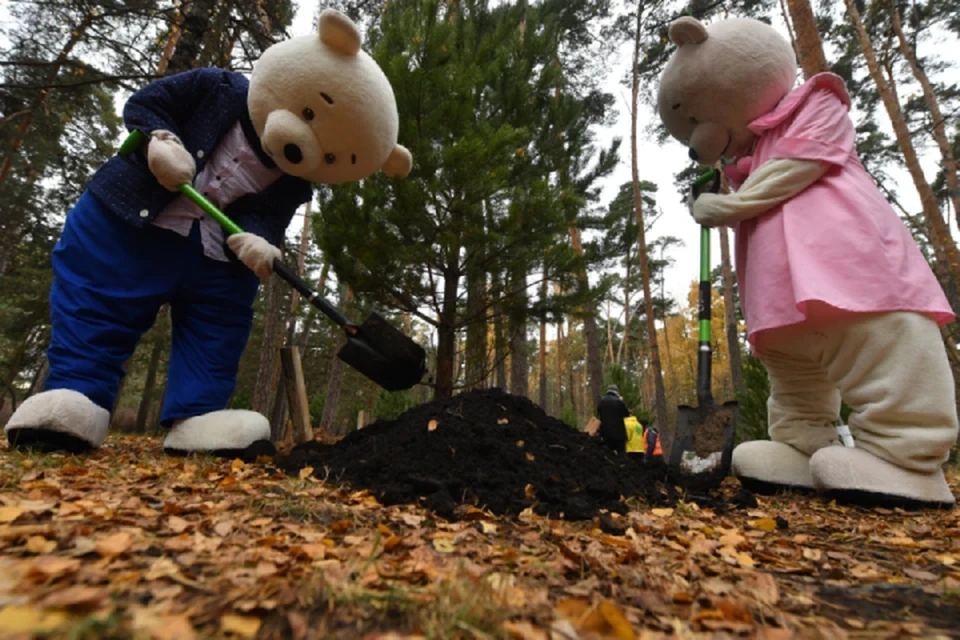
x: 808, y: 46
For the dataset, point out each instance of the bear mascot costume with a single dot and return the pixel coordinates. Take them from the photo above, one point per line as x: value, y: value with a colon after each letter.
x: 839, y: 302
x: 315, y: 109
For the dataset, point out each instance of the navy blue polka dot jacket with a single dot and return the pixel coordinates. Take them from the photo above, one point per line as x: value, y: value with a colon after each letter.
x: 200, y: 107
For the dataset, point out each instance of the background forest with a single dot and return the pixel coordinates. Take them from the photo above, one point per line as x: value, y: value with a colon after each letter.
x: 499, y: 253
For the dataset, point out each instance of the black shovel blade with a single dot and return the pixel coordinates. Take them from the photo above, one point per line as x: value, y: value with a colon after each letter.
x: 703, y: 445
x: 384, y: 354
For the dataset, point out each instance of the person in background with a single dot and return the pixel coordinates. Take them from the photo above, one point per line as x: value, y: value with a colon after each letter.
x: 651, y: 438
x: 611, y: 410
x: 634, y: 431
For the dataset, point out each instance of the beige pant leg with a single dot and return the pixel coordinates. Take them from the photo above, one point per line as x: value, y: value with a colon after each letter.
x: 892, y: 369
x: 803, y: 404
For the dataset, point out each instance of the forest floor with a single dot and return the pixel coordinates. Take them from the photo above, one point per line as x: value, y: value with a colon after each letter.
x: 127, y: 542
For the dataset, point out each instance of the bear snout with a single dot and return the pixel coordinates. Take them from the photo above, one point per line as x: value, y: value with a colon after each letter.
x: 708, y: 141
x: 292, y: 153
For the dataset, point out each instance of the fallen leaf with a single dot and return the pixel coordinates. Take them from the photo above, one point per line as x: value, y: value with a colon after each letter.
x: 76, y: 597
x: 763, y: 587
x: 223, y: 528
x: 444, y: 545
x: 916, y: 574
x: 411, y: 520
x: 177, y: 524
x: 16, y: 619
x: 764, y: 524
x: 51, y: 567
x: 663, y: 513
x: 9, y: 514
x: 314, y: 551
x: 115, y: 544
x: 305, y: 473
x: 618, y: 623
x: 812, y: 554
x: 39, y: 544
x: 244, y: 626
x: 523, y: 630
x: 432, y: 425
x: 745, y: 561
x: 162, y: 627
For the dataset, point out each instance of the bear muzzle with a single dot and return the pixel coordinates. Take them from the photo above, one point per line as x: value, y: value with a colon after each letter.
x: 708, y: 142
x: 291, y: 143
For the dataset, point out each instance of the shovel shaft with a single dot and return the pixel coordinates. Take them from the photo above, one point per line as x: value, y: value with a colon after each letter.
x: 704, y: 351
x: 311, y: 295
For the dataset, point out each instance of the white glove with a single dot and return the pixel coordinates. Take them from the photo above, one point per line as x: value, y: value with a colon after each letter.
x: 169, y: 161
x: 255, y: 252
x: 772, y: 183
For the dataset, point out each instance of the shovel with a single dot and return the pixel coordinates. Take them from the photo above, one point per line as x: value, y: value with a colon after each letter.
x: 376, y: 349
x: 704, y: 436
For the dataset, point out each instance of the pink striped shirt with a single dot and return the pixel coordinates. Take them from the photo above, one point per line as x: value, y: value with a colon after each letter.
x: 233, y: 171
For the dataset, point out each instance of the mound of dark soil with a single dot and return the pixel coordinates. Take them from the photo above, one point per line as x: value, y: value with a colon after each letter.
x: 489, y: 449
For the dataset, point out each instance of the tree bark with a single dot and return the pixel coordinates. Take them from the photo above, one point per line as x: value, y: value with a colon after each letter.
x: 476, y: 347
x: 517, y: 326
x: 591, y: 335
x: 808, y: 45
x: 335, y: 381
x: 146, y: 398
x: 730, y: 313
x: 661, y: 394
x: 266, y: 371
x: 944, y: 247
x: 499, y: 357
x: 175, y: 31
x: 447, y: 337
x: 196, y: 24
x: 936, y: 116
x: 542, y: 370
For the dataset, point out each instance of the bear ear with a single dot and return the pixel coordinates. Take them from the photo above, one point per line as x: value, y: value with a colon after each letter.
x: 339, y: 32
x: 687, y: 30
x: 399, y: 162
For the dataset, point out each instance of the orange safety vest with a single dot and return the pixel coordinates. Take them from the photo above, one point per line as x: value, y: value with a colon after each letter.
x: 657, y: 450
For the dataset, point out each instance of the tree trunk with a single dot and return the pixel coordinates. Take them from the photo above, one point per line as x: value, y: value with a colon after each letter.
x: 266, y: 371
x: 730, y: 313
x: 175, y: 31
x: 335, y: 381
x: 146, y: 398
x: 936, y: 116
x: 476, y: 347
x: 808, y: 45
x: 517, y: 326
x: 623, y: 353
x: 543, y: 349
x: 560, y: 366
x: 661, y: 394
x: 591, y: 336
x: 304, y: 338
x: 447, y: 337
x: 944, y: 247
x: 499, y: 357
x: 196, y: 23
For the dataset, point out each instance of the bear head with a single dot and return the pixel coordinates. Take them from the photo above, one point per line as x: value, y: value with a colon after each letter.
x: 324, y: 110
x: 721, y: 78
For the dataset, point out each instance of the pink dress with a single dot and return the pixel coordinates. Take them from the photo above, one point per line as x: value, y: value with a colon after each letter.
x: 838, y: 242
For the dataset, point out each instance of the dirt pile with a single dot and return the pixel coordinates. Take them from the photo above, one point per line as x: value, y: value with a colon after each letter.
x: 489, y: 449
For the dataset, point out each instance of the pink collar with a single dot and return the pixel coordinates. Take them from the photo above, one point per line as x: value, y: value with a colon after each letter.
x: 792, y: 100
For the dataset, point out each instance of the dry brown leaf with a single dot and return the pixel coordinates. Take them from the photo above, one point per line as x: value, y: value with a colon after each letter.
x: 51, y: 567
x: 618, y: 623
x: 523, y: 630
x: 30, y: 620
x: 114, y: 545
x: 305, y: 473
x: 177, y: 524
x: 39, y: 545
x: 663, y: 513
x: 76, y: 597
x: 244, y: 626
x: 917, y: 574
x: 432, y: 425
x: 160, y: 626
x: 764, y: 524
x: 763, y: 587
x: 314, y: 551
x: 10, y: 514
x: 444, y: 545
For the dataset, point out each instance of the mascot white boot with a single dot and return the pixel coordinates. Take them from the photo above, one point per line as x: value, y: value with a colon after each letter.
x: 316, y: 109
x: 839, y: 301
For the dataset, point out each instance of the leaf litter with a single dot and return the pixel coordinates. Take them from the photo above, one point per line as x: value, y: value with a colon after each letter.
x: 126, y: 542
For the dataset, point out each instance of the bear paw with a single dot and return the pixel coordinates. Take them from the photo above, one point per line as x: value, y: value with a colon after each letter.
x: 767, y: 467
x: 229, y: 433
x: 855, y: 476
x: 58, y: 420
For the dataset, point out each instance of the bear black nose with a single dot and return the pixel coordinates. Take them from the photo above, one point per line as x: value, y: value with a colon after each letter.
x: 292, y: 153
x: 693, y: 154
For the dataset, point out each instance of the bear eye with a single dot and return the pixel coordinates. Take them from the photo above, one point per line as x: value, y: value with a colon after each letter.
x: 676, y: 106
x: 308, y: 114
x: 326, y: 97
x: 353, y: 158
x: 329, y: 158
x: 694, y: 121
